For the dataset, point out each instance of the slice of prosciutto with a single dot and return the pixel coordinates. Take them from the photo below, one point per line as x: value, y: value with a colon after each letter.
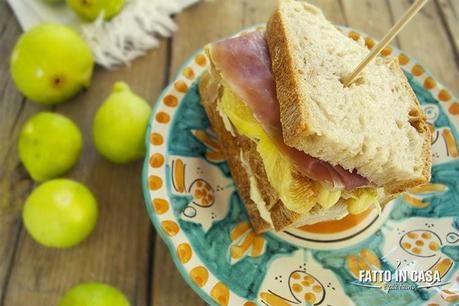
x: 245, y: 64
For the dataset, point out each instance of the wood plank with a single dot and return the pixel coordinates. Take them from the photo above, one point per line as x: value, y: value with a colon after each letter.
x: 372, y: 17
x: 14, y: 182
x: 449, y: 10
x: 426, y: 39
x: 203, y: 23
x: 168, y: 286
x: 118, y: 251
x: 44, y: 276
x: 332, y: 9
x: 256, y: 12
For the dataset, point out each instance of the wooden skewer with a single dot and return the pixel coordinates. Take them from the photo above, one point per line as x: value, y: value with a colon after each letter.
x: 401, y: 23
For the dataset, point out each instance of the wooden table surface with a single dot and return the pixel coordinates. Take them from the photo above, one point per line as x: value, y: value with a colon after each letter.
x: 124, y: 249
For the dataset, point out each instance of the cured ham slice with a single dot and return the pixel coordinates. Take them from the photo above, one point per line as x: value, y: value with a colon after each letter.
x: 244, y: 63
x: 322, y: 171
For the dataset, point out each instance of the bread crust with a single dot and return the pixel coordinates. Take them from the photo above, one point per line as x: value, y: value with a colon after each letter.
x: 231, y: 150
x: 419, y: 122
x: 282, y: 218
x: 291, y: 111
x: 294, y: 117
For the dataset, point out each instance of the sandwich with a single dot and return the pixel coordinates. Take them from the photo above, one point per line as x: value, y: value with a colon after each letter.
x: 303, y: 148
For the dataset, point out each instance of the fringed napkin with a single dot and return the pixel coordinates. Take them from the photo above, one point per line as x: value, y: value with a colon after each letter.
x: 118, y: 41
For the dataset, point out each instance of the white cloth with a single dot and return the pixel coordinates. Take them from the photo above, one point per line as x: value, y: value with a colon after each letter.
x: 129, y: 35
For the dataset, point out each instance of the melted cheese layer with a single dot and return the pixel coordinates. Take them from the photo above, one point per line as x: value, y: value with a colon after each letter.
x: 298, y: 193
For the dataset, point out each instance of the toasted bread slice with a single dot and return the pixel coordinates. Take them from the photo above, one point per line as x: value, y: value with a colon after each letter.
x: 231, y: 149
x: 238, y: 150
x: 375, y: 126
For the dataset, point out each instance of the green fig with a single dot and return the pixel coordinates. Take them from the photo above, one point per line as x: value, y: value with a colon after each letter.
x: 49, y: 145
x: 91, y: 9
x: 51, y: 63
x: 94, y: 294
x: 54, y: 1
x: 60, y: 213
x: 120, y: 125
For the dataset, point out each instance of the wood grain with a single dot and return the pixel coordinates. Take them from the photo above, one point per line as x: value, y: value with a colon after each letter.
x: 118, y: 251
x: 14, y: 181
x: 332, y: 9
x: 426, y: 39
x: 124, y: 250
x: 449, y: 9
x: 168, y: 286
x: 372, y: 17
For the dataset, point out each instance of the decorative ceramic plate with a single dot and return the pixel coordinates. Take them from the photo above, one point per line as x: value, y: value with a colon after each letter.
x: 196, y: 209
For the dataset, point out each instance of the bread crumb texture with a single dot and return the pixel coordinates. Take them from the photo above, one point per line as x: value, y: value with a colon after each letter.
x: 374, y: 126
